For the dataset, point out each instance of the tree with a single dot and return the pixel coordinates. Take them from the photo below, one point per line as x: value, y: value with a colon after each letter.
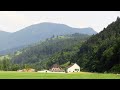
x: 15, y: 67
x: 6, y: 64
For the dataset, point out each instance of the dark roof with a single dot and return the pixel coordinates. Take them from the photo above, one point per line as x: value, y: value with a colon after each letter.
x: 55, y: 66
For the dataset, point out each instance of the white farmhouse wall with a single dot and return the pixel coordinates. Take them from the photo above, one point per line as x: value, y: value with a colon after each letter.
x: 73, y: 68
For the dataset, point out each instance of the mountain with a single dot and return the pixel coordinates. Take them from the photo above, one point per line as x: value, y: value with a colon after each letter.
x: 101, y: 52
x: 3, y: 35
x: 39, y: 32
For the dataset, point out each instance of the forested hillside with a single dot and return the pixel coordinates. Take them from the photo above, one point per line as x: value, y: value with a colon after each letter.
x: 101, y: 52
x: 57, y: 49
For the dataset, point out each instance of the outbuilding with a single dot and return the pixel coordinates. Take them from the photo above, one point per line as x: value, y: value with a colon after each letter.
x: 73, y: 68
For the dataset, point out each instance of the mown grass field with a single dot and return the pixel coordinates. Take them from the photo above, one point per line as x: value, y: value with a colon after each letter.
x: 37, y: 75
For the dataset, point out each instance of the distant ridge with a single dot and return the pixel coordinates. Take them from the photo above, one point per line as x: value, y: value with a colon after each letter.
x: 38, y: 32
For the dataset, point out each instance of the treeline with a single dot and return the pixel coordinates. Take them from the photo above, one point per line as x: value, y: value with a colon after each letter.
x: 7, y: 65
x: 101, y: 52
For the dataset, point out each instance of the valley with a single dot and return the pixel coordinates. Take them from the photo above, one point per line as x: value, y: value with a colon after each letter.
x: 39, y: 46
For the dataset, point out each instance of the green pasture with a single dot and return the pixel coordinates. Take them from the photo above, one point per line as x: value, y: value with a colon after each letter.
x: 38, y: 75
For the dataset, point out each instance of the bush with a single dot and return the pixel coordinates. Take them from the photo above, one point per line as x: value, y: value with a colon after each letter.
x: 115, y: 69
x: 105, y: 72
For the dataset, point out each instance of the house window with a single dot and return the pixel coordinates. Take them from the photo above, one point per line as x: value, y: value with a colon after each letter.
x: 76, y: 69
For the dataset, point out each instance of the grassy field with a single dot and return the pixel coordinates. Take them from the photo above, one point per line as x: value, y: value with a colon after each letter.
x: 37, y: 75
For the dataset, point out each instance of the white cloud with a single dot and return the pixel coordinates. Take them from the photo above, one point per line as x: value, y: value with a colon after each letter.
x: 11, y: 20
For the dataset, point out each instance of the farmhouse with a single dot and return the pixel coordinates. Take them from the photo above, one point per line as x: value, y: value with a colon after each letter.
x: 56, y: 68
x: 73, y: 68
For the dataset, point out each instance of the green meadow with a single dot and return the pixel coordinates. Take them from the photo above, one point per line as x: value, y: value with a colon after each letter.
x: 37, y: 75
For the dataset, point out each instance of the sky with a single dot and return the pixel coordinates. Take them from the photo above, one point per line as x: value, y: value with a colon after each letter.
x: 12, y: 21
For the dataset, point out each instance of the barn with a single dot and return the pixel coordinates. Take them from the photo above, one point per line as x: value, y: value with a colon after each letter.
x: 73, y: 68
x: 56, y: 68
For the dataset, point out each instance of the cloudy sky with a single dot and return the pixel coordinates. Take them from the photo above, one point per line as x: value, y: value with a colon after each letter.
x: 12, y: 21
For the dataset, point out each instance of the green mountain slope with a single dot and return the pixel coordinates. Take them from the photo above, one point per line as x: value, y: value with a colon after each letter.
x: 51, y: 48
x: 101, y: 52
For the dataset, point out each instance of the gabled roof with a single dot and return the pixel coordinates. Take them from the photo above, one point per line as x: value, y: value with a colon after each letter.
x: 55, y: 66
x: 71, y: 65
